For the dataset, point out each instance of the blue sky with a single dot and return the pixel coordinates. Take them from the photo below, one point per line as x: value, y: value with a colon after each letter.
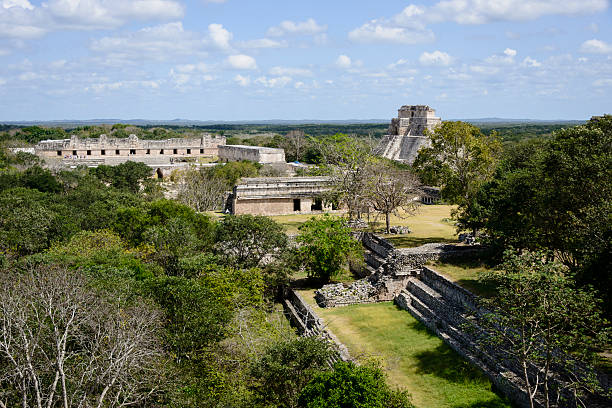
x: 333, y: 59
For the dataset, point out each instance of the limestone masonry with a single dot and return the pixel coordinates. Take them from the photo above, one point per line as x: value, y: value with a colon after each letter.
x: 105, y: 150
x: 253, y: 153
x: 406, y: 134
x: 278, y: 195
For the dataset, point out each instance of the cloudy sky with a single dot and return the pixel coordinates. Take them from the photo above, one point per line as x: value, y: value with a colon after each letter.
x: 314, y: 59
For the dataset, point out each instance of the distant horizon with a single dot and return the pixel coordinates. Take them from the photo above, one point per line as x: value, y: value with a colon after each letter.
x: 178, y: 122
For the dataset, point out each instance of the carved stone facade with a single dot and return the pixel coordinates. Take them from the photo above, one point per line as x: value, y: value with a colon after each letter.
x: 278, y: 195
x: 105, y: 150
x: 406, y: 134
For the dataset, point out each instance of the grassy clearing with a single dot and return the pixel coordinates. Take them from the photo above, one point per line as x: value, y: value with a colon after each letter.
x: 414, y: 358
x: 431, y: 223
x: 465, y: 272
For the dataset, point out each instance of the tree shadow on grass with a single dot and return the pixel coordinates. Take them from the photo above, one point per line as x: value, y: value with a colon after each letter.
x: 491, y: 403
x: 443, y: 362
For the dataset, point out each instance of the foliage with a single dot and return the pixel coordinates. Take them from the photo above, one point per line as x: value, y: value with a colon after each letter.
x: 459, y: 159
x: 557, y: 195
x: 201, y: 190
x: 126, y: 175
x: 63, y: 343
x: 231, y: 172
x: 543, y: 322
x: 351, y: 386
x: 286, y: 367
x: 326, y: 244
x: 244, y: 240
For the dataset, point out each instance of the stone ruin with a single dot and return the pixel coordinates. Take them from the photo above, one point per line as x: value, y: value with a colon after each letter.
x: 406, y: 134
x: 445, y: 308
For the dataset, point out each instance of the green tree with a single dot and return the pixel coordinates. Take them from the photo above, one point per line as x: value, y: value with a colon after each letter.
x: 557, y: 195
x: 352, y: 386
x: 128, y: 175
x: 541, y: 321
x: 326, y: 244
x: 231, y: 172
x: 460, y: 159
x: 286, y: 367
x: 244, y: 240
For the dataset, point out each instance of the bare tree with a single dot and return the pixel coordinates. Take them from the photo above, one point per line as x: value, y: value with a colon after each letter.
x: 201, y: 191
x: 296, y: 141
x: 390, y: 189
x: 64, y: 344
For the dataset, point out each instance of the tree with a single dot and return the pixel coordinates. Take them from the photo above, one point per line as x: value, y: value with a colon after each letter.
x: 352, y: 386
x: 233, y: 171
x: 126, y: 175
x: 556, y: 195
x: 546, y: 325
x: 460, y: 159
x: 244, y: 240
x: 201, y: 191
x: 63, y: 344
x: 390, y: 189
x: 286, y: 367
x: 325, y: 246
x: 346, y: 159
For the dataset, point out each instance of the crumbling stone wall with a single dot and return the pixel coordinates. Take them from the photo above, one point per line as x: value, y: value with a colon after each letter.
x: 308, y: 324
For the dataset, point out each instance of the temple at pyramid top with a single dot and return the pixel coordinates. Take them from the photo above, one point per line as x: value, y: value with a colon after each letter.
x: 406, y: 134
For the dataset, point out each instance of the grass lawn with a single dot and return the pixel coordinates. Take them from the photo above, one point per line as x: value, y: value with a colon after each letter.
x: 465, y: 272
x: 414, y: 358
x: 431, y: 223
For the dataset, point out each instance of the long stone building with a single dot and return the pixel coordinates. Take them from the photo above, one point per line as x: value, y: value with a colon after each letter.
x: 406, y: 134
x: 257, y: 154
x: 105, y: 150
x: 278, y: 195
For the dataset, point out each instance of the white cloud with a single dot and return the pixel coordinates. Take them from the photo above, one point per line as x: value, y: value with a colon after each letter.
x: 242, y: 80
x: 505, y: 59
x: 410, y: 25
x: 263, y: 43
x: 23, y: 20
x: 241, y: 61
x: 219, y: 36
x: 510, y: 52
x: 288, y: 27
x: 531, y: 62
x: 594, y: 27
x: 380, y: 31
x: 160, y: 42
x: 191, y: 74
x: 288, y: 71
x: 596, y: 47
x: 343, y: 61
x: 97, y: 14
x: 435, y: 58
x: 25, y: 4
x: 482, y: 12
x: 273, y: 82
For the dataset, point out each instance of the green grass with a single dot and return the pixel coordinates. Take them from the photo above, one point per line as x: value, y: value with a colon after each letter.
x: 414, y: 358
x: 465, y: 272
x: 431, y: 223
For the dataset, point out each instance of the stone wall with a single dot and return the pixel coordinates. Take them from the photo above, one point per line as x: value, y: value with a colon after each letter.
x: 279, y: 195
x: 308, y: 324
x: 388, y: 270
x: 253, y: 153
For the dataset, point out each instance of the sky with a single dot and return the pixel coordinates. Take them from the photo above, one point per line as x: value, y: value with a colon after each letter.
x: 304, y: 60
